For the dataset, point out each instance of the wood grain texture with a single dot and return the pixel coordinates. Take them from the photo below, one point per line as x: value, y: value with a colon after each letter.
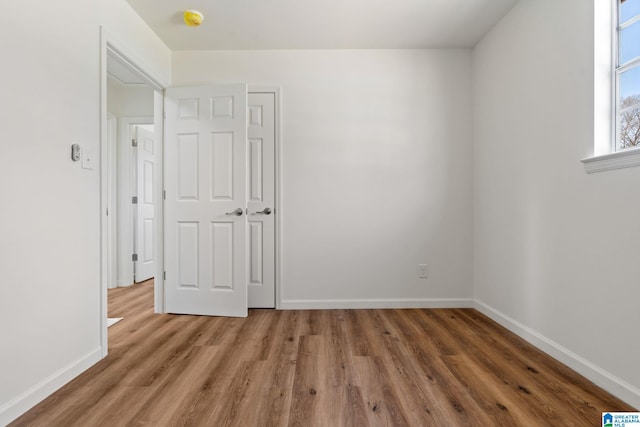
x: 318, y: 368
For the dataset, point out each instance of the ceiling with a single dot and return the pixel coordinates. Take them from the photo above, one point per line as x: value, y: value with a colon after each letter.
x: 326, y: 24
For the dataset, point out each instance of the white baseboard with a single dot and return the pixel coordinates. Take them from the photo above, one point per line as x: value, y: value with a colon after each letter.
x: 25, y: 401
x: 597, y: 375
x: 374, y: 303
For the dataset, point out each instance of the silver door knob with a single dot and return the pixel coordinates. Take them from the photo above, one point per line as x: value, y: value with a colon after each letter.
x: 265, y: 211
x: 237, y: 212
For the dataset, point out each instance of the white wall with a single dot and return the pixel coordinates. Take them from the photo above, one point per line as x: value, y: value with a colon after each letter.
x: 376, y: 170
x: 50, y: 208
x: 555, y: 250
x: 129, y: 100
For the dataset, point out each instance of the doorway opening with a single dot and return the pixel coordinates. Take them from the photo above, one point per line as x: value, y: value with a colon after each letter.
x: 123, y: 132
x: 131, y: 163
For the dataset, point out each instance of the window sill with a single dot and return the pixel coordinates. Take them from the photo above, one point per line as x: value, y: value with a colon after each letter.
x: 618, y: 160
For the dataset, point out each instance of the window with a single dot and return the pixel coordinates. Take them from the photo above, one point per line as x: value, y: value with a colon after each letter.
x: 627, y: 75
x: 616, y: 115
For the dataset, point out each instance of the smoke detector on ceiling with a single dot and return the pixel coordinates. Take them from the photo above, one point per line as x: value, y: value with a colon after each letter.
x: 193, y: 18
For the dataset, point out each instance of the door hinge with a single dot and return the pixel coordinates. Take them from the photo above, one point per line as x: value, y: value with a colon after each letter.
x: 164, y: 275
x: 134, y: 142
x: 134, y: 257
x: 164, y: 194
x: 134, y: 200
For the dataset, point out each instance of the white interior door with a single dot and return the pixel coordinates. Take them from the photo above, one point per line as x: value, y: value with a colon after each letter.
x: 144, y: 266
x: 205, y: 184
x: 261, y: 199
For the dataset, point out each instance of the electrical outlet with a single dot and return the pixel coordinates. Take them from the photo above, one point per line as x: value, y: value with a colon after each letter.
x: 423, y: 271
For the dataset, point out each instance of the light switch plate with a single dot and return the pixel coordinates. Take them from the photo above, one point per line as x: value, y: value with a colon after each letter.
x: 87, y: 159
x: 423, y: 271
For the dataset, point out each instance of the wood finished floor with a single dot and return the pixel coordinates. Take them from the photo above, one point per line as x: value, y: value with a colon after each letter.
x: 318, y: 368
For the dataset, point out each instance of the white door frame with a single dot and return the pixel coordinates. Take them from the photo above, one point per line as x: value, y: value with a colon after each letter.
x: 110, y: 46
x: 112, y: 132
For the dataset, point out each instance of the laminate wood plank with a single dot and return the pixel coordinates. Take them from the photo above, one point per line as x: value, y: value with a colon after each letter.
x: 503, y: 365
x: 261, y: 340
x: 137, y: 328
x: 351, y: 410
x: 307, y: 383
x: 210, y: 393
x: 222, y: 331
x: 359, y: 342
x: 168, y: 394
x: 345, y: 398
x: 124, y: 401
x: 318, y: 368
x: 498, y: 398
x: 421, y: 372
x: 437, y: 369
x: 274, y: 401
x: 166, y: 355
x: 490, y: 371
x: 314, y: 322
x: 318, y: 397
x: 339, y: 352
x: 129, y: 300
x: 381, y: 336
x: 247, y: 388
x: 136, y: 356
x: 561, y: 387
x: 243, y: 379
x: 381, y: 400
x: 558, y: 378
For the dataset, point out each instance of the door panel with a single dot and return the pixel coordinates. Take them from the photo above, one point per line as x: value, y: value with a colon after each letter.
x: 145, y: 209
x: 205, y: 183
x: 187, y: 167
x: 222, y: 163
x: 222, y: 255
x: 188, y: 247
x: 261, y: 188
x: 256, y: 255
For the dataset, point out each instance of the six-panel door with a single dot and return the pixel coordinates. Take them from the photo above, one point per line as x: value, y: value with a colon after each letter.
x: 261, y: 199
x: 205, y: 183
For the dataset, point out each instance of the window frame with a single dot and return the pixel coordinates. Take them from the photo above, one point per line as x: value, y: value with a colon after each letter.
x: 618, y: 70
x: 605, y: 155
